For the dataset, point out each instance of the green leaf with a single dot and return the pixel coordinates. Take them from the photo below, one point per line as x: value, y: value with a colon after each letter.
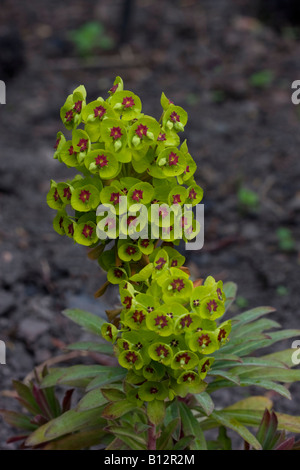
x: 17, y: 420
x: 230, y: 290
x: 156, y: 411
x: 68, y: 422
x: 185, y: 442
x: 250, y: 315
x: 91, y: 400
x: 87, y: 320
x: 205, y: 402
x: 256, y: 327
x: 167, y: 433
x: 108, y: 375
x: 252, y: 403
x: 191, y: 426
x: 78, y: 441
x: 90, y: 346
x: 27, y: 397
x: 273, y: 373
x: 236, y: 426
x: 227, y: 375
x: 129, y: 437
x: 117, y: 409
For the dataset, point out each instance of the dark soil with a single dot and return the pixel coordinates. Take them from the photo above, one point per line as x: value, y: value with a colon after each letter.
x: 203, y: 56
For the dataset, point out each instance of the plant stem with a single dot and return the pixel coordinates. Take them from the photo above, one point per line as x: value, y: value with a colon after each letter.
x: 151, y: 437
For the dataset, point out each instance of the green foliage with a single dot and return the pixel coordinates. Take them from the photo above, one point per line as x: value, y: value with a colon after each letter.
x: 262, y: 79
x: 89, y: 37
x: 285, y: 238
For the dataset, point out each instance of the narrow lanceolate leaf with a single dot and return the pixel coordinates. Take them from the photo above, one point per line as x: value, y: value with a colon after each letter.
x: 78, y: 441
x: 226, y: 375
x: 17, y: 420
x: 252, y: 403
x: 90, y: 346
x: 273, y: 373
x: 205, y: 402
x: 236, y: 426
x: 230, y: 290
x: 285, y: 357
x: 250, y: 315
x: 185, y: 442
x: 71, y: 374
x: 91, y: 400
x: 167, y: 433
x: 255, y: 327
x: 87, y: 320
x: 27, y: 397
x: 107, y: 376
x: 117, y: 409
x: 128, y: 432
x: 288, y: 423
x: 267, y: 384
x: 191, y: 427
x: 70, y: 421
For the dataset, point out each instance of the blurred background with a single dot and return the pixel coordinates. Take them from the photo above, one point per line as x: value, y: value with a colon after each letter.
x: 230, y: 64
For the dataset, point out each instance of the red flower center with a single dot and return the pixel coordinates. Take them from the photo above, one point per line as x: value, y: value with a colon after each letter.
x: 82, y: 144
x: 176, y: 199
x: 212, y: 306
x: 153, y: 390
x: 162, y: 351
x: 161, y: 321
x: 115, y: 198
x: 192, y: 194
x: 145, y: 243
x: 137, y: 195
x: 116, y: 133
x: 222, y: 334
x: 219, y: 293
x: 57, y: 142
x: 101, y: 160
x: 189, y: 377
x: 128, y: 102
x: 67, y: 193
x: 174, y: 263
x: 160, y: 263
x: 138, y: 316
x: 141, y: 130
x: 204, y: 340
x: 184, y: 356
x: 71, y: 150
x: 205, y: 366
x: 78, y: 107
x: 131, y: 357
x: 69, y: 115
x: 130, y: 250
x: 161, y: 137
x: 132, y: 220
x: 177, y: 284
x: 84, y: 195
x: 186, y: 321
x: 118, y: 273
x: 114, y: 88
x: 99, y: 111
x: 173, y: 158
x: 87, y: 231
x: 56, y: 195
x: 71, y: 229
x: 174, y: 117
x: 127, y: 301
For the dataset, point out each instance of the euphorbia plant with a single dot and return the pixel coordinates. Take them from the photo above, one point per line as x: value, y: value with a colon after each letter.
x: 172, y: 345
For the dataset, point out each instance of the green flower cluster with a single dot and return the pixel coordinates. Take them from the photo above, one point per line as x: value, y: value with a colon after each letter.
x: 168, y: 331
x: 119, y: 153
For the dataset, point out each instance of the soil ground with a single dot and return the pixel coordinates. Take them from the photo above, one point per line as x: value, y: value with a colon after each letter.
x: 243, y: 132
